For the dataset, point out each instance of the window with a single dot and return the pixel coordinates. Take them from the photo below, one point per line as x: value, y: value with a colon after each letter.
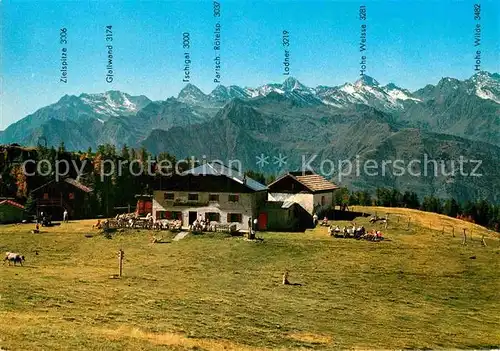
x: 323, y: 201
x: 169, y: 196
x: 234, y: 198
x: 192, y: 197
x: 213, y: 197
x: 234, y: 217
x: 213, y: 216
x: 45, y: 196
x: 71, y: 196
x: 168, y: 215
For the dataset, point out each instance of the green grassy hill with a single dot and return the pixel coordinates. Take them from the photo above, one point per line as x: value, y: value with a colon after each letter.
x: 420, y: 288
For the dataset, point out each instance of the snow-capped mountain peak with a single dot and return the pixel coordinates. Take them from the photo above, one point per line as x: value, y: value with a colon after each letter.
x: 113, y: 103
x: 223, y: 93
x: 486, y: 86
x: 398, y: 93
x: 392, y: 86
x: 365, y: 90
x: 192, y: 94
x: 366, y: 80
x: 265, y: 90
x: 220, y: 93
x: 291, y: 84
x: 290, y: 88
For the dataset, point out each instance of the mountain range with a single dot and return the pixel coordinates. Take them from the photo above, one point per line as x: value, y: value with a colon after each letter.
x: 362, y: 120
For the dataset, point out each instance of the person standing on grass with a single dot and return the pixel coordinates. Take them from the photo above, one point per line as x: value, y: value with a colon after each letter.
x: 315, y: 219
x: 65, y: 215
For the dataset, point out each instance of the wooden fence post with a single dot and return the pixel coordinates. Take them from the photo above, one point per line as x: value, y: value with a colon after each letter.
x: 482, y: 241
x: 464, y: 241
x: 453, y: 231
x: 443, y: 230
x: 121, y: 254
x: 408, y: 228
x: 398, y: 219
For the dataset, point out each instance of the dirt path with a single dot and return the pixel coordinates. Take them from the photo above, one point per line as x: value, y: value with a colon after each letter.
x: 180, y: 236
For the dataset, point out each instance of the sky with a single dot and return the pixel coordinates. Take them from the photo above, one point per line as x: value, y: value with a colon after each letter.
x: 409, y: 43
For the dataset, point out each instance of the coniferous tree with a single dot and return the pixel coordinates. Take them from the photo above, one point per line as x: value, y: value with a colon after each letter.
x: 342, y: 196
x: 257, y: 176
x: 365, y: 199
x: 431, y: 204
x: 133, y: 154
x: 270, y: 179
x: 451, y: 208
x: 483, y: 212
x: 143, y: 154
x: 30, y: 205
x: 125, y: 152
x: 353, y: 198
x: 385, y: 197
x: 61, y: 149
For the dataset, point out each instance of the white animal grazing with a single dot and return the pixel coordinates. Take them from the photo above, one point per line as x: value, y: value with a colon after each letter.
x: 14, y: 257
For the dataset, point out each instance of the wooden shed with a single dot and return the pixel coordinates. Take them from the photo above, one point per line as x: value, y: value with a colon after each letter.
x: 305, y: 188
x: 284, y: 216
x: 11, y: 211
x: 54, y: 197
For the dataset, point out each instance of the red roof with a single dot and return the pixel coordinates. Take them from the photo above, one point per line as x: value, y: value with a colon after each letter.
x: 12, y: 203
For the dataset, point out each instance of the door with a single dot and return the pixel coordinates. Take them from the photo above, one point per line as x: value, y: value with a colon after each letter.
x: 262, y: 221
x: 148, y: 206
x: 192, y: 217
x: 140, y: 207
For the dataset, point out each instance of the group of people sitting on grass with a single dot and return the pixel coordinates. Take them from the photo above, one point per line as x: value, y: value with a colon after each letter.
x: 355, y: 232
x: 126, y: 219
x: 203, y: 225
x: 167, y: 224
